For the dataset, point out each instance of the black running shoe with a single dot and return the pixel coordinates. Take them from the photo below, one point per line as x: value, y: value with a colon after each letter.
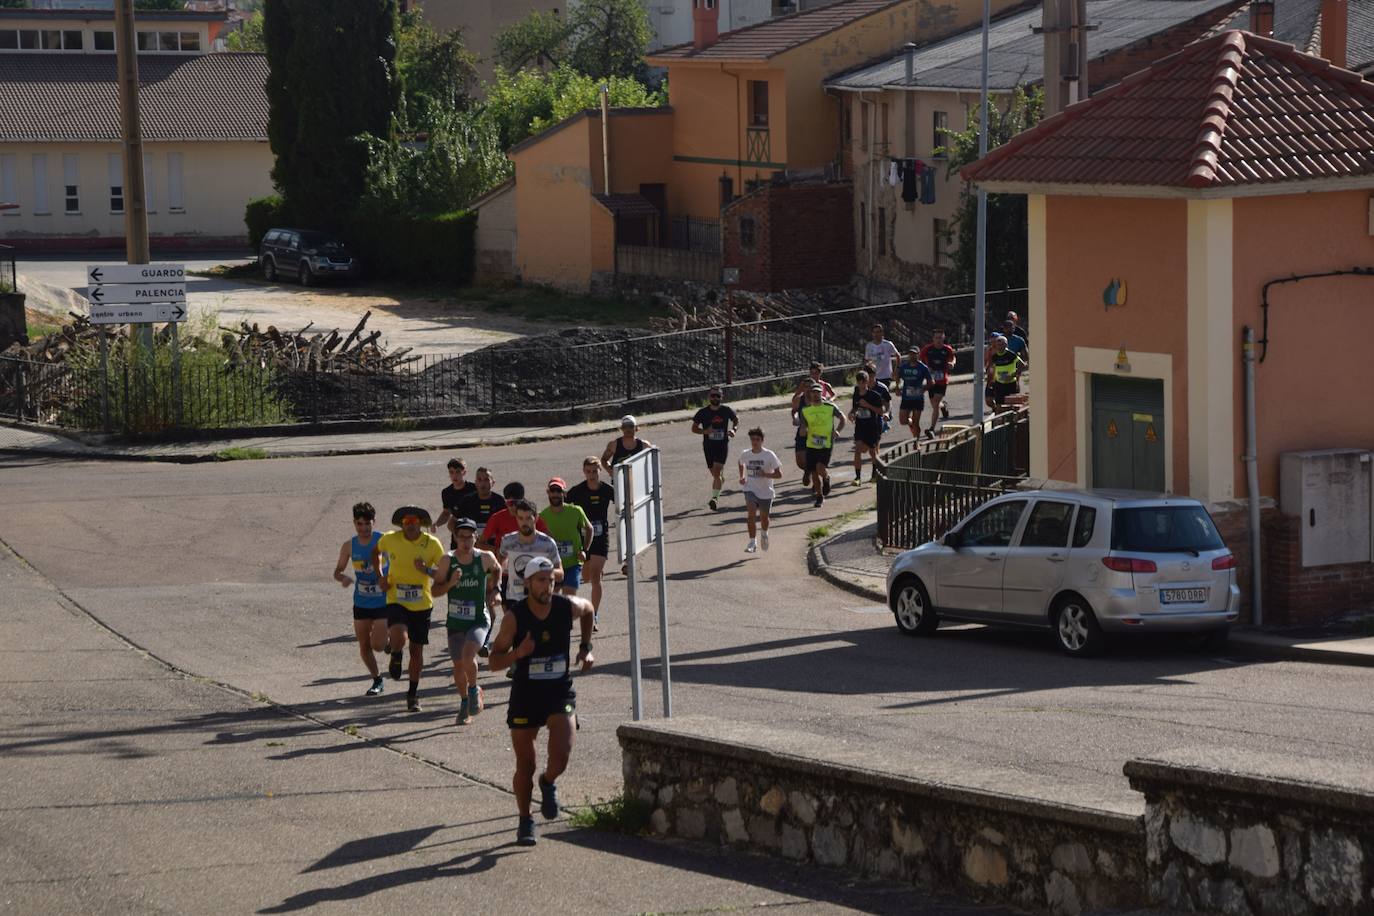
x: 713, y: 504
x: 548, y: 799
x: 806, y: 478
x: 376, y: 687
x: 825, y: 487
x: 524, y: 834
x: 944, y: 411
x: 413, y: 703
x: 484, y: 652
x: 818, y: 502
x: 395, y: 669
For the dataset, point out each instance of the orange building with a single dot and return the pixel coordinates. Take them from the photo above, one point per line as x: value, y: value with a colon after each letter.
x: 1168, y: 214
x: 746, y: 104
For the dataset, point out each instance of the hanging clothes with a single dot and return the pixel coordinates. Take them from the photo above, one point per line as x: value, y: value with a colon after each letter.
x: 909, y: 180
x: 928, y: 186
x: 892, y: 173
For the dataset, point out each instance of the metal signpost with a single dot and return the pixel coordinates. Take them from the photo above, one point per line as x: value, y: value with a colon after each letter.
x: 137, y: 294
x: 639, y: 487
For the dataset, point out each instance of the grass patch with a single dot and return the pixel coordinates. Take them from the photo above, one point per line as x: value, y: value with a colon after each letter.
x: 351, y: 731
x: 261, y: 697
x: 621, y: 814
x: 40, y: 329
x: 240, y: 453
x: 249, y: 271
x: 821, y: 532
x: 276, y: 744
x: 400, y: 423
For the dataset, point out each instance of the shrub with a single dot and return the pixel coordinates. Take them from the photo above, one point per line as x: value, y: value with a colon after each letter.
x: 263, y: 214
x: 419, y: 248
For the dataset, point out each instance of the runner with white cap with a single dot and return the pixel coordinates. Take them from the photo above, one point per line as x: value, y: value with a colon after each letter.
x: 536, y: 639
x: 626, y: 444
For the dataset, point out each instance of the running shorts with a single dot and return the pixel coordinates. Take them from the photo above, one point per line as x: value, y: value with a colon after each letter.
x: 572, y: 577
x: 369, y: 613
x: 761, y: 503
x: 600, y: 546
x: 870, y: 433
x: 1000, y: 390
x: 530, y: 706
x: 816, y: 457
x: 913, y: 404
x: 938, y: 391
x: 415, y: 622
x: 456, y: 638
x: 715, y: 452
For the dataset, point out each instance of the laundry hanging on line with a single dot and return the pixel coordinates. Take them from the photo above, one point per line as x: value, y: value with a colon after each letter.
x: 917, y: 180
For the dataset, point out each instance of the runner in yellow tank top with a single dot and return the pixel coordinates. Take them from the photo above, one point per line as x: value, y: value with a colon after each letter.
x: 411, y: 555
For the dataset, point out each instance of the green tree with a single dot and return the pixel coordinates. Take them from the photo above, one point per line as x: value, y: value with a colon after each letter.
x: 437, y: 72
x: 457, y: 162
x: 332, y: 79
x: 249, y: 36
x: 609, y: 37
x: 527, y: 102
x: 533, y: 41
x: 1007, y: 264
x: 14, y: 4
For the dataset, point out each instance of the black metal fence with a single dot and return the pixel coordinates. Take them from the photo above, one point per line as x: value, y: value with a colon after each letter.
x: 922, y: 493
x: 694, y: 234
x: 149, y: 393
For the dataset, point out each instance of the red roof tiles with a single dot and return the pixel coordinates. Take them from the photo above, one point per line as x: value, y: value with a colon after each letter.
x: 774, y: 36
x: 1236, y: 109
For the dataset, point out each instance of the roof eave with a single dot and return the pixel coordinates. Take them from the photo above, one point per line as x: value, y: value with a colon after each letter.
x: 1274, y: 189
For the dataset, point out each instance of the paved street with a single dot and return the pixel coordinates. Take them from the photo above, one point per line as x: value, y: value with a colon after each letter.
x: 222, y: 570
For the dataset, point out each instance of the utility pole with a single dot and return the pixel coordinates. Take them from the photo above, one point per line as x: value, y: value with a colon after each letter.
x: 135, y: 196
x: 980, y: 295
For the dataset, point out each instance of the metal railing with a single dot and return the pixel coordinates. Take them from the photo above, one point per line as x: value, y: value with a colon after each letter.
x: 758, y: 146
x: 138, y: 395
x: 691, y: 234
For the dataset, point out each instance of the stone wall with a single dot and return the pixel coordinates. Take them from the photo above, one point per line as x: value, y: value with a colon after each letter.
x: 947, y: 829
x: 803, y: 236
x: 1276, y: 836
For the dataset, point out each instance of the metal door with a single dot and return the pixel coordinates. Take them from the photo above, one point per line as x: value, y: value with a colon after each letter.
x: 1128, y: 447
x: 1035, y: 566
x: 970, y: 577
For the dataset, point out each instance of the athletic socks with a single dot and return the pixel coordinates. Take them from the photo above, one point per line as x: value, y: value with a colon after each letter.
x: 715, y: 494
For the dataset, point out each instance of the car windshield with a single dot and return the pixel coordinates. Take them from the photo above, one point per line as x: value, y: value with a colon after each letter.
x: 1164, y: 529
x: 318, y: 240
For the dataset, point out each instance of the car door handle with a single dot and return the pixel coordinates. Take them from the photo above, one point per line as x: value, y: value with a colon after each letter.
x: 993, y: 556
x: 1055, y: 558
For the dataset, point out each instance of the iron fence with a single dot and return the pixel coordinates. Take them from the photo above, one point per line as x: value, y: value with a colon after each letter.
x: 200, y: 390
x: 692, y: 234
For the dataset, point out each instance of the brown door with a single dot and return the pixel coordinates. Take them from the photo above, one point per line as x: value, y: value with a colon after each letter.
x: 657, y: 194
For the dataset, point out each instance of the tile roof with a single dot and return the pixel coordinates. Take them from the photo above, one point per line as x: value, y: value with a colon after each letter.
x: 627, y: 205
x: 1016, y: 55
x: 772, y: 37
x: 1236, y: 109
x: 73, y: 97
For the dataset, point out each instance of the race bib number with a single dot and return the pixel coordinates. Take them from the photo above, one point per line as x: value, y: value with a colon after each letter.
x: 816, y: 442
x: 598, y: 529
x: 717, y: 435
x: 462, y: 610
x: 937, y: 375
x: 913, y: 391
x: 565, y: 549
x: 549, y: 668
x: 370, y: 589
x: 409, y: 593
x: 863, y: 413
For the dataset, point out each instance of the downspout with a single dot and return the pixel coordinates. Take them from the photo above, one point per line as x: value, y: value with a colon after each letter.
x: 606, y: 174
x: 1251, y: 459
x: 872, y: 191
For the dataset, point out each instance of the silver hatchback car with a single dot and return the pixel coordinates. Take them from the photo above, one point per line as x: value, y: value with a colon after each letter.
x: 1077, y: 562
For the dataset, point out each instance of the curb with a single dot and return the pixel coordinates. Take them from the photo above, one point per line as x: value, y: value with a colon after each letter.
x: 816, y: 566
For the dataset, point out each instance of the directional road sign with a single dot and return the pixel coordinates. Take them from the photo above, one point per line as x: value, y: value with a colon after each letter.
x: 125, y: 293
x: 99, y: 274
x: 142, y: 313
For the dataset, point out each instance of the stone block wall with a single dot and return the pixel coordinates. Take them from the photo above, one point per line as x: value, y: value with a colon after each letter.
x: 1286, y: 837
x: 729, y: 785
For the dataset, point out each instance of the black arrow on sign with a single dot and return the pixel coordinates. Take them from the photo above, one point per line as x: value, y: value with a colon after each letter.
x: 179, y: 314
x: 98, y: 295
x: 96, y: 275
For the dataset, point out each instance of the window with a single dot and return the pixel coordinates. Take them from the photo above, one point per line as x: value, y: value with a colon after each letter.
x: 71, y: 183
x: 40, y: 184
x: 940, y: 123
x: 104, y: 41
x: 169, y: 41
x: 147, y: 41
x: 758, y: 103
x: 939, y: 257
x: 190, y: 41
x: 51, y: 40
x: 176, y: 201
x: 71, y: 41
x: 863, y: 125
x: 1164, y: 529
x: 863, y: 225
x: 9, y: 183
x: 116, y: 168
x: 9, y: 40
x: 746, y: 233
x: 883, y: 126
x: 1048, y: 525
x: 847, y: 121
x: 993, y: 527
x: 28, y: 39
x: 1084, y: 525
x: 882, y: 230
x: 149, y: 185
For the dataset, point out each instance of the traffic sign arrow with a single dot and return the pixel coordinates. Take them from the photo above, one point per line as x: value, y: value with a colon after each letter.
x: 138, y: 293
x: 95, y: 274
x: 178, y: 313
x: 135, y: 273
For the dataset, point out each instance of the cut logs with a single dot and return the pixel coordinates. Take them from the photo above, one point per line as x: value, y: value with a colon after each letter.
x: 324, y: 351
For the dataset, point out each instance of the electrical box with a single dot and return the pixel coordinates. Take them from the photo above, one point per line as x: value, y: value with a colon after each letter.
x: 1332, y: 493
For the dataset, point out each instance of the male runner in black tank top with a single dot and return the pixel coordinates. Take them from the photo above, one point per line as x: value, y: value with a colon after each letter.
x: 624, y: 445
x: 535, y: 638
x: 597, y: 504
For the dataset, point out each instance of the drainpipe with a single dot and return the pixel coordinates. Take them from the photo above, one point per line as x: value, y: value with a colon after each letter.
x: 606, y: 136
x: 872, y: 192
x: 1251, y: 459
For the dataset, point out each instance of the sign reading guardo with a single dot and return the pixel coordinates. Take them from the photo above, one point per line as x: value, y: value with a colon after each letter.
x: 136, y: 293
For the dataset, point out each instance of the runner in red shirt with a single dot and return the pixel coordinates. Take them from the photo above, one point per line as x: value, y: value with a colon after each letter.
x: 502, y: 521
x: 939, y: 357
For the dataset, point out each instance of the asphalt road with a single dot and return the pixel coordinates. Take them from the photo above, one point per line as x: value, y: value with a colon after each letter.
x: 223, y: 570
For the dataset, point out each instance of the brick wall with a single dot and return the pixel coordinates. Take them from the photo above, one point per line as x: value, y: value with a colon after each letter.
x: 803, y: 237
x: 1300, y: 596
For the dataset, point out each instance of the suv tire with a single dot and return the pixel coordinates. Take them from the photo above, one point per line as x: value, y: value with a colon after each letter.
x: 269, y: 269
x: 910, y: 603
x: 306, y: 277
x: 1075, y: 627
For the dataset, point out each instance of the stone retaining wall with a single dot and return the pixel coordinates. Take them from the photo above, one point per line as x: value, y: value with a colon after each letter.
x: 737, y: 786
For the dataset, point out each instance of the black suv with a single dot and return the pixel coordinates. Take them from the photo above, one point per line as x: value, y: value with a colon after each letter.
x: 306, y: 255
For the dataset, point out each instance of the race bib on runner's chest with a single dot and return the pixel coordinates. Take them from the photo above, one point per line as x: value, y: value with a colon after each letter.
x: 913, y: 391
x: 369, y: 588
x: 409, y: 592
x: 462, y: 610
x: 937, y: 375
x: 863, y: 413
x: 565, y: 548
x: 598, y: 529
x: 548, y: 667
x: 817, y: 441
x: 717, y: 435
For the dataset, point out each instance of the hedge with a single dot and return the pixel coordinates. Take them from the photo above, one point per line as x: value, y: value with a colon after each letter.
x: 262, y: 214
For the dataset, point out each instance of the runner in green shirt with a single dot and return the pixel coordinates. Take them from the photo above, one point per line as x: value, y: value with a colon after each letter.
x: 569, y: 526
x: 469, y: 576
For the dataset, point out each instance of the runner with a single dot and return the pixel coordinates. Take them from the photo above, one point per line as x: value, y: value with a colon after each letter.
x: 1016, y: 343
x: 882, y: 353
x: 627, y: 444
x: 523, y: 544
x: 1016, y: 326
x: 483, y: 502
x: 758, y: 468
x: 594, y: 498
x: 940, y: 359
x: 502, y: 521
x: 535, y: 642
x: 1004, y: 371
x: 818, y: 420
x: 867, y: 414
x: 469, y: 578
x: 369, y: 599
x: 451, y: 497
x: 913, y: 379
x: 411, y: 556
x: 717, y: 425
x: 571, y: 530
x: 798, y: 401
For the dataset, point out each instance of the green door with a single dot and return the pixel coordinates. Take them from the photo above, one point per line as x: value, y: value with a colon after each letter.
x: 1127, y: 433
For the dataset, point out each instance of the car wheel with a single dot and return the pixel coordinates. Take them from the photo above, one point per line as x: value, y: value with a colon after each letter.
x: 1075, y: 627
x: 1215, y: 640
x: 306, y: 276
x: 269, y: 270
x: 911, y: 607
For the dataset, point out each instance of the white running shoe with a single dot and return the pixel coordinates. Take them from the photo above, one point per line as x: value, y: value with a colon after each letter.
x: 763, y: 540
x: 751, y: 546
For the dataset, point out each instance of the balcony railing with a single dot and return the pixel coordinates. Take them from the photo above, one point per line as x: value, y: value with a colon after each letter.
x: 757, y: 146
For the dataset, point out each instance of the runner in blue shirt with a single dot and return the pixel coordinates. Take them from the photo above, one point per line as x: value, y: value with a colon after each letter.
x: 913, y: 378
x: 369, y: 598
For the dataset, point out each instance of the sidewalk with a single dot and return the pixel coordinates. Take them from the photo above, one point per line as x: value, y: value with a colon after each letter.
x: 851, y: 560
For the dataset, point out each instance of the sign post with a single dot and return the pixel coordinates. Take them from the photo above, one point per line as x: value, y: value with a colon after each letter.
x: 639, y: 483
x: 140, y: 295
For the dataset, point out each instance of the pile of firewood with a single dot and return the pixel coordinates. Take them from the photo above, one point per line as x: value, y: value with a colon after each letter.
x: 53, y: 348
x: 324, y: 351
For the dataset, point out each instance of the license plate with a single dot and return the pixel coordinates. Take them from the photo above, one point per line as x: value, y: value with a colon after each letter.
x: 1183, y: 596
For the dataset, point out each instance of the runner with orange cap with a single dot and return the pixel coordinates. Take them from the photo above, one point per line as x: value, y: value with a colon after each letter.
x: 569, y: 526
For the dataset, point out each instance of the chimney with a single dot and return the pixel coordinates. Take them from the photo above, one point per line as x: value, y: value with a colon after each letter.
x: 910, y: 62
x: 705, y: 23
x: 1334, y: 31
x: 1262, y: 17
